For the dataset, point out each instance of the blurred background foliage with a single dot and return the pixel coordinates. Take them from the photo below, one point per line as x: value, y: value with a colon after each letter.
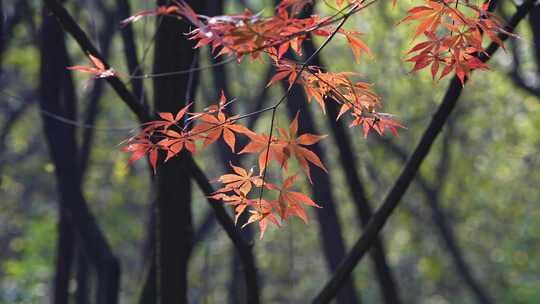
x: 487, y: 189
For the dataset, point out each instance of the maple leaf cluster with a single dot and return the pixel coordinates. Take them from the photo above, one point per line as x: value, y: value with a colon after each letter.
x: 279, y: 149
x: 453, y: 36
x: 249, y: 33
x: 184, y: 131
x: 453, y: 32
x: 358, y: 98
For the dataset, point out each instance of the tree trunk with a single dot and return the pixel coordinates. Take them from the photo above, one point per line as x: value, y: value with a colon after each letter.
x: 63, y: 151
x: 173, y: 52
x: 64, y: 259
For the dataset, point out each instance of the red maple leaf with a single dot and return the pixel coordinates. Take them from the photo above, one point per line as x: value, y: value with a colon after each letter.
x: 294, y: 145
x: 99, y: 70
x: 262, y: 213
x: 242, y: 180
x: 289, y: 203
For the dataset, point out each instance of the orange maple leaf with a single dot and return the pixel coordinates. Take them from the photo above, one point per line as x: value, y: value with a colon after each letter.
x: 289, y: 203
x: 167, y: 120
x: 242, y: 180
x: 215, y: 123
x: 176, y: 142
x: 262, y: 213
x: 357, y: 45
x: 378, y: 122
x: 293, y: 145
x: 139, y: 146
x: 238, y: 200
x: 99, y: 70
x: 259, y: 144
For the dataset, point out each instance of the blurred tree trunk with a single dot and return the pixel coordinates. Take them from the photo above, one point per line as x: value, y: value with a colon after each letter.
x: 173, y: 52
x: 58, y: 98
x: 64, y: 259
x: 130, y: 50
x: 53, y: 73
x: 389, y: 291
x: 3, y: 38
x: 82, y: 277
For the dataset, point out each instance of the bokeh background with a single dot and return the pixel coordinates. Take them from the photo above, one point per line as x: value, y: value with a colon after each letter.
x: 469, y: 224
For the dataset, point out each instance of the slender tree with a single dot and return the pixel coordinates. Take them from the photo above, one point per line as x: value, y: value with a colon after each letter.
x: 173, y: 52
x: 57, y: 100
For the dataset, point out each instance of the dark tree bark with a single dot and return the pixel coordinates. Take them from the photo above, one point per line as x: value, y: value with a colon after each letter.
x: 82, y: 276
x: 243, y: 248
x: 379, y: 219
x: 63, y: 151
x: 330, y: 227
x: 3, y: 37
x: 64, y: 258
x: 54, y: 89
x: 219, y: 74
x: 173, y: 52
x: 149, y: 289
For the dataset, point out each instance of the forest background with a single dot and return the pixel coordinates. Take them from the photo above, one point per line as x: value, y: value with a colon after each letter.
x: 466, y: 231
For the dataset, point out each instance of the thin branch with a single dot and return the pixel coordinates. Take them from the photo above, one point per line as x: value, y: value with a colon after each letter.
x: 183, y: 72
